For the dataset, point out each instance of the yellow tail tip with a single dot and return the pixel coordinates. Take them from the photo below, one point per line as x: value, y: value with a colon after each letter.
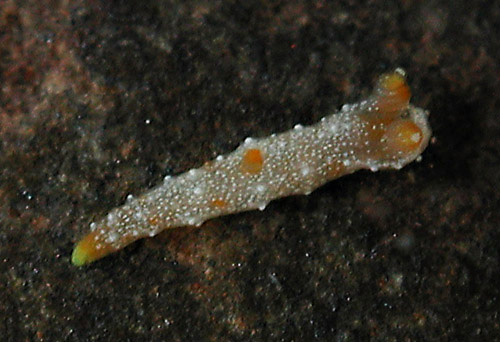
x: 90, y: 249
x: 80, y: 256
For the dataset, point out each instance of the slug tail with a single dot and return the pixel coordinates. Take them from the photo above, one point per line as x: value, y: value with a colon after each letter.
x: 90, y: 249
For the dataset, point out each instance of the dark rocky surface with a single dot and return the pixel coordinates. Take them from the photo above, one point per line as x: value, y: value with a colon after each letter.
x: 100, y: 99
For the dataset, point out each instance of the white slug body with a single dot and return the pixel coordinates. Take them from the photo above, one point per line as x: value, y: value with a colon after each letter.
x: 381, y: 132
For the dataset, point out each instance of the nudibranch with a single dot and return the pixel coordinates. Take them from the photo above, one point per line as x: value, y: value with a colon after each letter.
x: 383, y: 131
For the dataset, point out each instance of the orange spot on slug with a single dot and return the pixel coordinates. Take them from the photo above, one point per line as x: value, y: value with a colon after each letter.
x: 252, y: 161
x: 219, y: 203
x: 153, y: 221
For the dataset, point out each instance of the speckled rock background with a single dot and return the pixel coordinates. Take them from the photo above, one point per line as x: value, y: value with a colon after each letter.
x: 99, y: 99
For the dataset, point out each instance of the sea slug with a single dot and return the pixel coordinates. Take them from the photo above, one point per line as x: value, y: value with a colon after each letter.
x: 383, y: 131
